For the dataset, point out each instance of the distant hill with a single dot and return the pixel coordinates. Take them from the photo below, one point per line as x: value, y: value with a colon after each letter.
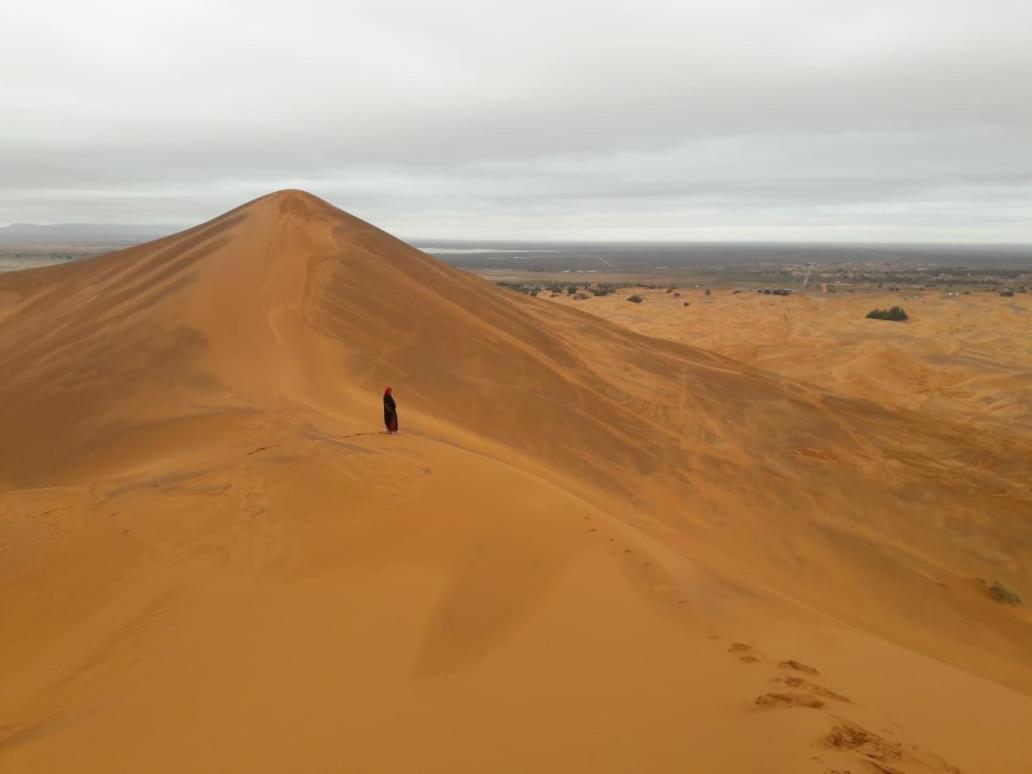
x: 34, y: 233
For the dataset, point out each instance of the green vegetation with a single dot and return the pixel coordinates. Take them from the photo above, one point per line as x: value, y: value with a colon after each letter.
x: 896, y: 314
x: 519, y: 287
x: 635, y: 299
x: 555, y: 289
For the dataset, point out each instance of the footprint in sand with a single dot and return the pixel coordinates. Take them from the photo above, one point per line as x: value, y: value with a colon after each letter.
x: 876, y: 753
x: 819, y: 690
x: 746, y: 653
x: 881, y: 754
x: 798, y: 667
x: 789, y: 700
x: 849, y: 736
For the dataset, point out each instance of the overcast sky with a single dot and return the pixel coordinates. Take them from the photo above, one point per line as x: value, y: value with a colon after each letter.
x: 819, y: 120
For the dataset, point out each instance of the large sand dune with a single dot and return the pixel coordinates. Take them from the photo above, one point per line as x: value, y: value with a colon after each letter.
x: 588, y: 550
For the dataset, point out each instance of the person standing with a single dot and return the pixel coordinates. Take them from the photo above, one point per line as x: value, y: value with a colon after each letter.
x: 390, y: 412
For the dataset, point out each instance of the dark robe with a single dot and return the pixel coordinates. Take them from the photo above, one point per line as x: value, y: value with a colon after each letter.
x: 390, y: 413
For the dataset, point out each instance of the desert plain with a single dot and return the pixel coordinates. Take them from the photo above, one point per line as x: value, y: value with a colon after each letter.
x: 959, y: 357
x: 751, y: 534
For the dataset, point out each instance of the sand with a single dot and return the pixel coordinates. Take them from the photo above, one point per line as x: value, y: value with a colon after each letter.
x: 961, y: 357
x: 588, y: 550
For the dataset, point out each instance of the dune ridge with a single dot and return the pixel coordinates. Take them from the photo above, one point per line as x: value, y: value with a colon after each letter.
x: 211, y: 551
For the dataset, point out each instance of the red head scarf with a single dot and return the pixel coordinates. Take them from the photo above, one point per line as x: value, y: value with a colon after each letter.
x: 388, y: 391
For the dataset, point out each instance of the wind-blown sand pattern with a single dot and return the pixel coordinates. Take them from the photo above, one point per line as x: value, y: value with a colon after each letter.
x: 960, y: 357
x: 589, y: 550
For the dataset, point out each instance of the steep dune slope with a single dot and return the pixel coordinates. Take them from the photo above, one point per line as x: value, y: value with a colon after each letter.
x: 213, y: 560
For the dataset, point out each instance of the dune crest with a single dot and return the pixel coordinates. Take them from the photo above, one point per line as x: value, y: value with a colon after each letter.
x: 213, y: 551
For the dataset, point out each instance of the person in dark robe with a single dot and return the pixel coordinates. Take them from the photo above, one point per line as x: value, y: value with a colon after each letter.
x: 390, y: 412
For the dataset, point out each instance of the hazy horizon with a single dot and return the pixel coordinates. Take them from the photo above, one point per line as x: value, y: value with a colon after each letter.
x: 73, y: 231
x: 797, y: 121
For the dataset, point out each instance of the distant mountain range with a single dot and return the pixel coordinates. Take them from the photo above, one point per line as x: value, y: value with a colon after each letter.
x: 34, y: 233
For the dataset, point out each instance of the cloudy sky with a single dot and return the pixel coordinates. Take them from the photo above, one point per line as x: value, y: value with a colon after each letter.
x: 880, y: 120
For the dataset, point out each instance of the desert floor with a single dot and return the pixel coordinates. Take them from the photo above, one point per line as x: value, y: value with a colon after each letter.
x: 965, y: 357
x: 589, y: 550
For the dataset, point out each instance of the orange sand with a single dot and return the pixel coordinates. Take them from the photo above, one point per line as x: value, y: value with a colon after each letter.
x: 963, y: 358
x: 588, y: 550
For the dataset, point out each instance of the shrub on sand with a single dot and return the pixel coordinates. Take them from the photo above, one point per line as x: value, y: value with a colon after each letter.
x: 896, y: 314
x: 1002, y: 593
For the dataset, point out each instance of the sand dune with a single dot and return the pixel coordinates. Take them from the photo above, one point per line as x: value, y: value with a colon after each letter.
x: 960, y: 357
x: 588, y: 550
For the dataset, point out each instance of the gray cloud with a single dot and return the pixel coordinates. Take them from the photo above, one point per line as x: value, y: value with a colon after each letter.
x: 802, y: 119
